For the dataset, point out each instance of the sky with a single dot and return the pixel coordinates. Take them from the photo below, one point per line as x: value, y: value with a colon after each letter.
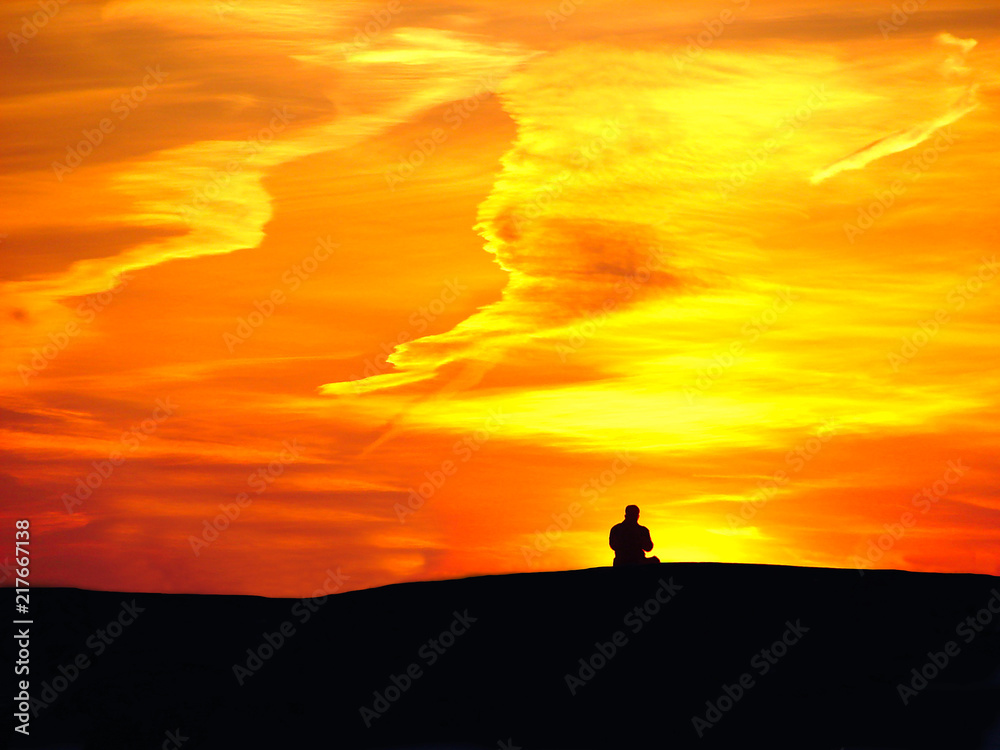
x: 422, y: 290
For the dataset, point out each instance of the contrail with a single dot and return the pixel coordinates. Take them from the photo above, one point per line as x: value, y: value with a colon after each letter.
x: 902, y: 140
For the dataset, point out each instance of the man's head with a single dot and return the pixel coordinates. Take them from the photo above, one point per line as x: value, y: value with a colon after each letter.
x: 631, y: 512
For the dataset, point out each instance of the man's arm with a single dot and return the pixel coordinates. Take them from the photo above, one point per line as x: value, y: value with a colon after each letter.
x: 611, y: 539
x: 648, y: 545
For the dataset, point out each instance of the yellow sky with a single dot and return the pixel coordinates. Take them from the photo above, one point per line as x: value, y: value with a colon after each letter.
x: 421, y: 290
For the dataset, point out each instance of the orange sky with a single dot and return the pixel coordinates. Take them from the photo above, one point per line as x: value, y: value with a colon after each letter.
x: 733, y: 262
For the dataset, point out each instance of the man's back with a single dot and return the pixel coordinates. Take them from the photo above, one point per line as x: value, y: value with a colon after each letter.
x: 630, y: 541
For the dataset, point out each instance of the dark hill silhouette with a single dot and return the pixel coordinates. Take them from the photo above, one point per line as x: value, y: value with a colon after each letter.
x: 499, y: 676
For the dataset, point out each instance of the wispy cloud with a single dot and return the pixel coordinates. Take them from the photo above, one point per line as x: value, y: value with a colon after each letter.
x: 913, y: 136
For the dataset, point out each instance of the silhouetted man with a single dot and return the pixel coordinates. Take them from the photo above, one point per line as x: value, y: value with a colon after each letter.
x: 630, y: 541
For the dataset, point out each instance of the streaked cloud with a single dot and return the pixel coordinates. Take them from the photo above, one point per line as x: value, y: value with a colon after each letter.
x: 906, y: 139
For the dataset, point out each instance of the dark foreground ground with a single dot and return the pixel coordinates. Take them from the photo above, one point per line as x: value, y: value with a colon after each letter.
x: 745, y: 656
